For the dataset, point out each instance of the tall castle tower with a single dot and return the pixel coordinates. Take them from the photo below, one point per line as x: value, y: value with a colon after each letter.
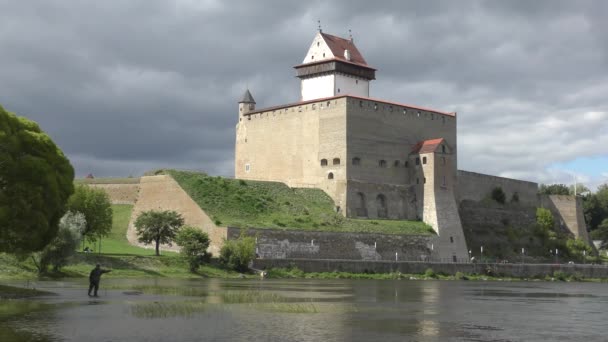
x: 376, y: 159
x: 333, y: 66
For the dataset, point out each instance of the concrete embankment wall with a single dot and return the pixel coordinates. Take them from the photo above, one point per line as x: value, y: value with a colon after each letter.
x: 281, y: 244
x: 163, y: 193
x: 568, y: 213
x: 507, y: 270
x: 119, y: 193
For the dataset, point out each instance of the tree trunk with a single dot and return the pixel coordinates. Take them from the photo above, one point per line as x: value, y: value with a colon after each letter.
x: 157, y: 243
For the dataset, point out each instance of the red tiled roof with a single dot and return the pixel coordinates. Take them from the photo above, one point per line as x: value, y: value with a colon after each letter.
x: 337, y: 46
x: 427, y: 146
x: 352, y: 96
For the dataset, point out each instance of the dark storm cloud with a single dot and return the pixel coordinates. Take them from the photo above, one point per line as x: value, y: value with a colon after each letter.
x: 124, y: 87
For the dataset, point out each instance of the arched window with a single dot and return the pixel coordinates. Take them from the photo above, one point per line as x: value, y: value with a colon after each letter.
x: 360, y: 207
x: 442, y: 148
x: 336, y: 161
x: 396, y: 163
x: 330, y: 175
x: 382, y: 163
x: 381, y: 206
x: 423, y: 160
x: 323, y: 162
x: 356, y: 161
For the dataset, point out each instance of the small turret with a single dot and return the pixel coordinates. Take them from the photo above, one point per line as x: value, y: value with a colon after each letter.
x: 246, y: 104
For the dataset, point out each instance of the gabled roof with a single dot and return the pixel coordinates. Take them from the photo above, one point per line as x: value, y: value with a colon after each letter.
x: 427, y: 146
x: 247, y: 98
x: 338, y: 45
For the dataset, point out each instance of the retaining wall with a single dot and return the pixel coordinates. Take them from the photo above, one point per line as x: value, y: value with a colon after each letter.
x: 119, y: 193
x: 508, y: 270
x: 282, y: 244
x: 476, y: 186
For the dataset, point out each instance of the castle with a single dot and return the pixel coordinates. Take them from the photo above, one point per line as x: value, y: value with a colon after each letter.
x: 376, y: 159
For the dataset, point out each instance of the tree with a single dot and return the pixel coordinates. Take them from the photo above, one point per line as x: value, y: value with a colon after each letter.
x: 544, y: 219
x: 576, y: 247
x: 554, y: 189
x: 158, y: 226
x: 36, y: 180
x: 97, y: 209
x: 499, y: 195
x: 601, y: 233
x: 194, y: 244
x: 237, y: 254
x: 58, y: 251
x: 595, y: 207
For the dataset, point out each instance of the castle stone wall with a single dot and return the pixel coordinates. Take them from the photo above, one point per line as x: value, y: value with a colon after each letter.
x: 281, y: 244
x: 119, y: 193
x: 476, y: 186
x: 568, y: 213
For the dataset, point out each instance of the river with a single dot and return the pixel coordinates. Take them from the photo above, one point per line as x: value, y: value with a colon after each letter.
x: 309, y: 310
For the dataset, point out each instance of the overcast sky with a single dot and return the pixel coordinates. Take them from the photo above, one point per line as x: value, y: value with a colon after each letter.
x: 128, y: 86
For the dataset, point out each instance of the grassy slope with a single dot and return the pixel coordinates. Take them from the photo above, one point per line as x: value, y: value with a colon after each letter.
x: 255, y: 204
x: 130, y: 180
x: 117, y: 254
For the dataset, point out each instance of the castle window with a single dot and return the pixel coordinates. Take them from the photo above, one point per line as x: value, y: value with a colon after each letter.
x: 444, y: 182
x: 418, y: 114
x: 338, y: 90
x: 328, y: 103
x: 318, y: 43
x: 356, y: 81
x: 375, y: 106
x: 314, y: 105
x: 432, y: 116
x: 443, y: 160
x: 249, y: 117
x: 312, y: 57
x: 323, y: 162
x: 406, y: 163
x: 404, y: 111
x: 247, y: 167
x: 443, y: 120
x: 381, y: 206
x: 390, y: 108
x: 442, y: 148
x: 417, y: 180
x: 451, y: 239
x: 454, y: 258
x: 336, y: 161
x: 424, y: 180
x: 361, y: 104
x: 323, y: 54
x: 356, y: 161
x: 423, y: 160
x: 330, y: 175
x: 382, y: 163
x: 396, y: 163
x: 417, y: 160
x: 361, y: 209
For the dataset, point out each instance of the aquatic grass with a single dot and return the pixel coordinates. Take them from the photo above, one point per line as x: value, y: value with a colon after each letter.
x: 166, y: 309
x: 12, y: 292
x: 307, y: 308
x: 232, y: 297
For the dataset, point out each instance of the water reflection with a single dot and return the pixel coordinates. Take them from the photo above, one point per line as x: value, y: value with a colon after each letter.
x: 309, y: 310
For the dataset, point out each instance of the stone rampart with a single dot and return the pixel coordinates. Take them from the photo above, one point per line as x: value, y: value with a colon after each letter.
x: 568, y: 213
x: 476, y: 186
x: 368, y: 266
x: 282, y: 244
x: 163, y: 193
x: 119, y: 193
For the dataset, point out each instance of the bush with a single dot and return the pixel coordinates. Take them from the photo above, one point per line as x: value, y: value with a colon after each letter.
x: 237, y: 254
x: 498, y: 195
x: 429, y: 273
x: 62, y: 247
x: 577, y: 248
x: 460, y: 276
x: 194, y: 244
x: 560, y: 275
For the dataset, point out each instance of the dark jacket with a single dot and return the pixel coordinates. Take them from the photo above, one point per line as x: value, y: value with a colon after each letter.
x: 95, y: 275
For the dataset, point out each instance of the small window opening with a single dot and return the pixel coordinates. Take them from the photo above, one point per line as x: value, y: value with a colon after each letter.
x: 323, y: 54
x: 330, y: 175
x: 444, y: 183
x: 451, y: 239
x: 375, y: 106
x: 356, y: 161
x: 382, y: 163
x: 407, y: 163
x: 338, y: 90
x: 432, y: 116
x: 312, y: 57
x: 442, y: 148
x: 423, y: 160
x: 424, y: 180
x: 418, y: 114
x: 323, y: 162
x: 454, y: 258
x: 356, y: 81
x: 328, y: 103
x: 404, y: 111
x: 318, y: 43
x: 417, y: 160
x: 336, y: 161
x: 247, y: 167
x: 396, y: 163
x: 360, y: 103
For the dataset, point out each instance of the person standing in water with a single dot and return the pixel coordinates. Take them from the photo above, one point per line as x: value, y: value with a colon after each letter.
x: 94, y: 278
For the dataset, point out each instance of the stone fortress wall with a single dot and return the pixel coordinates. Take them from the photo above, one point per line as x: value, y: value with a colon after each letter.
x: 119, y: 193
x: 476, y: 187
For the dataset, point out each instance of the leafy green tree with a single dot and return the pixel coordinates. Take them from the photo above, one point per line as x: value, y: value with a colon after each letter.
x: 237, y: 254
x: 576, y: 247
x: 595, y: 207
x: 193, y: 243
x: 601, y: 233
x: 554, y: 189
x: 58, y: 251
x: 544, y: 219
x: 580, y: 189
x: 498, y: 195
x: 158, y: 227
x: 36, y: 180
x: 97, y: 209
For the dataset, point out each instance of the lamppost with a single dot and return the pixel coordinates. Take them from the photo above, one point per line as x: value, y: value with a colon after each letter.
x: 481, y: 254
x: 584, y: 257
x: 523, y: 252
x: 556, y: 256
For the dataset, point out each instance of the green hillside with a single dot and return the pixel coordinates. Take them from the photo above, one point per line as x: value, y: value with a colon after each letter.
x: 238, y: 203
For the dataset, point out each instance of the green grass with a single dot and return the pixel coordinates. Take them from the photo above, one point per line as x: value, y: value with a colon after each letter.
x: 12, y: 292
x: 253, y: 204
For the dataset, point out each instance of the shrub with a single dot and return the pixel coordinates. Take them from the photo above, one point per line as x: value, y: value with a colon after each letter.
x: 577, y: 248
x: 460, y: 276
x: 498, y: 195
x: 194, y: 244
x: 63, y: 245
x: 515, y: 198
x: 237, y: 254
x: 544, y: 219
x: 560, y: 275
x: 429, y: 273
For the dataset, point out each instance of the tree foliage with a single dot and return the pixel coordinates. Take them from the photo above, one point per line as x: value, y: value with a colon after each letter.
x: 578, y: 248
x: 58, y: 251
x: 97, y: 209
x: 595, y: 206
x: 36, y: 180
x: 544, y: 219
x: 193, y: 243
x: 498, y: 195
x: 158, y: 226
x: 601, y: 233
x: 554, y: 189
x: 237, y: 254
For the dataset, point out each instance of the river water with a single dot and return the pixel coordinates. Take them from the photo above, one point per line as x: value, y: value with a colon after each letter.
x: 309, y: 310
